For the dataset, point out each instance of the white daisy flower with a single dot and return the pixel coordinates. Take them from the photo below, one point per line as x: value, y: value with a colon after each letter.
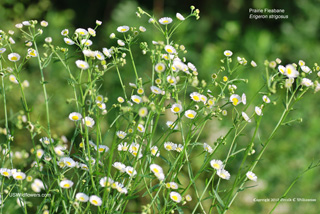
x: 82, y: 64
x: 176, y: 197
x: 246, y: 117
x: 172, y: 125
x: 106, y: 52
x: 235, y: 99
x: 13, y: 79
x: 120, y: 42
x: 98, y: 22
x: 195, y: 96
x: 156, y: 90
x: 121, y: 134
x: 203, y: 98
x: 282, y: 69
x: 88, y: 121
x: 131, y: 171
x: 227, y: 53
x: 2, y: 50
x: 306, y: 82
x: 66, y: 184
x: 266, y: 99
x: 95, y: 200
x: 165, y: 20
x: 120, y: 166
x: 75, y: 116
x: 180, y: 17
x: 176, y: 108
x: 44, y: 23
x: 170, y: 49
x: 19, y: 25
x: 80, y: 196
x: 250, y: 175
x: 5, y: 172
x: 156, y: 168
x: 106, y: 182
x: 142, y: 29
x: 291, y: 71
x: 32, y: 52
x: 224, y: 174
x: 207, y: 148
x: 102, y: 148
x: 99, y: 55
x: 46, y: 140
x: 89, y: 53
x: 92, y: 32
x: 137, y: 99
x: 191, y: 66
x: 64, y: 32
x: 154, y: 151
x: 191, y: 114
x: 180, y: 66
x: 216, y: 164
x: 59, y: 150
x: 151, y: 20
x: 258, y: 111
x: 101, y: 106
x: 26, y: 23
x: 120, y: 99
x: 81, y: 32
x: 160, y: 67
x: 172, y: 80
x: 123, y: 146
x: 86, y: 42
x: 69, y: 162
x: 48, y: 39
x: 19, y: 176
x: 123, y: 29
x: 179, y: 148
x: 14, y: 57
x: 301, y: 63
x: 169, y: 146
x: 141, y: 128
x: 306, y: 69
x: 188, y: 197
x: 143, y: 111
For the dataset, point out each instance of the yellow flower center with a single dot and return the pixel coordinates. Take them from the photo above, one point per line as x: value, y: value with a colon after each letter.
x: 175, y: 198
x: 136, y: 100
x: 75, y: 117
x: 190, y: 115
x: 196, y: 98
x: 169, y: 147
x: 5, y: 173
x: 155, y: 170
x: 235, y: 101
x: 66, y: 185
x: 14, y: 58
x: 169, y: 50
x: 88, y: 123
x: 215, y: 165
x: 18, y: 177
x: 94, y: 201
x: 101, y: 149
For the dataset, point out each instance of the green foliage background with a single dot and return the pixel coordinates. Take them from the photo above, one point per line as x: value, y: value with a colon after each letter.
x: 223, y: 25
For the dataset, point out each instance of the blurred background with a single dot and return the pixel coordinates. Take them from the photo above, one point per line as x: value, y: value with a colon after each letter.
x: 223, y: 25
